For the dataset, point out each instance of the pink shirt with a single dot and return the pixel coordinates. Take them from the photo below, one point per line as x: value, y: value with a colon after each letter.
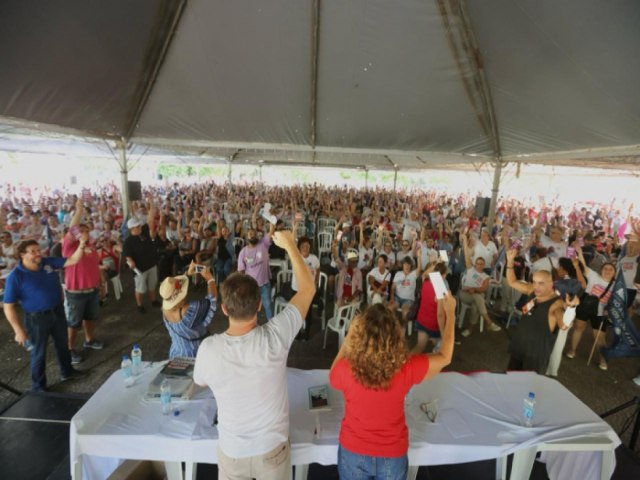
x: 85, y: 274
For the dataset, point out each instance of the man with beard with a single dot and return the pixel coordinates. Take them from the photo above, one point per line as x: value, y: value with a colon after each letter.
x: 35, y: 284
x: 254, y: 261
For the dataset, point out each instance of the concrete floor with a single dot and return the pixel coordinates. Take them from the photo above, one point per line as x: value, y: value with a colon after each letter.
x: 120, y: 325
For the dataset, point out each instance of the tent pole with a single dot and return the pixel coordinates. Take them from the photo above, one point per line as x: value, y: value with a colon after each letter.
x: 395, y: 179
x: 260, y: 173
x: 497, y: 174
x: 366, y: 178
x: 124, y: 178
x: 229, y: 173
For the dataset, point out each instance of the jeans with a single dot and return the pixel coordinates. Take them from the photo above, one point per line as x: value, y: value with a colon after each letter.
x: 265, y: 296
x: 39, y: 326
x: 352, y: 466
x: 223, y: 269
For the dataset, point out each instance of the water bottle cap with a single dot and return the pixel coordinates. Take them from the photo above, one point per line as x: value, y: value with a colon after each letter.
x: 135, y: 345
x: 532, y: 395
x: 125, y: 357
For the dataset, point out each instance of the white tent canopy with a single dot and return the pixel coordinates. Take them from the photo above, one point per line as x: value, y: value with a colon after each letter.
x: 361, y: 83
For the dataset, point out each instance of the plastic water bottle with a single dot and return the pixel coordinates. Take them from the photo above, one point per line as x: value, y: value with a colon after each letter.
x: 28, y: 346
x: 165, y: 396
x: 529, y: 409
x: 127, y: 373
x: 136, y: 359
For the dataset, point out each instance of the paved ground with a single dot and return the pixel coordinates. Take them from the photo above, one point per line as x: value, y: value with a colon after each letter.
x: 120, y: 326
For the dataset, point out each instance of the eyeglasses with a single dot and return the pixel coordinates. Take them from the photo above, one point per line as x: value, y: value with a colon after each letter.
x: 430, y: 409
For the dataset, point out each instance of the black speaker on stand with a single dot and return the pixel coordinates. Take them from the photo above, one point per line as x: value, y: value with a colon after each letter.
x: 482, y: 207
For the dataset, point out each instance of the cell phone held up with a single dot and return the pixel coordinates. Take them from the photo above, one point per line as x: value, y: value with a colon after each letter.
x: 199, y: 268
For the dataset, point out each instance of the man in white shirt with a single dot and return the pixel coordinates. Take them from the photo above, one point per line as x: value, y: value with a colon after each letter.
x: 486, y: 249
x: 554, y: 240
x: 246, y: 368
x: 474, y: 285
x: 313, y: 264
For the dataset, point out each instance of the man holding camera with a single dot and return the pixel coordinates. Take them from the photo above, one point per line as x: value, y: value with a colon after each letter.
x: 254, y: 261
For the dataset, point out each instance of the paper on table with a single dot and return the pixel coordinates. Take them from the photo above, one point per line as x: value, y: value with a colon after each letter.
x: 454, y: 423
x: 438, y: 285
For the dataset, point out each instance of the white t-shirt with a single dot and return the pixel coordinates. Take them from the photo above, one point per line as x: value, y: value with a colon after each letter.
x: 428, y: 255
x: 313, y: 264
x: 406, y: 284
x: 410, y: 226
x: 559, y: 248
x: 487, y: 252
x: 378, y: 276
x: 248, y: 377
x: 596, y: 285
x: 473, y: 279
x: 629, y: 266
x: 365, y: 257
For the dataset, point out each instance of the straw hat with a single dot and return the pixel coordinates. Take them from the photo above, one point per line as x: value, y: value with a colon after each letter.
x: 173, y: 290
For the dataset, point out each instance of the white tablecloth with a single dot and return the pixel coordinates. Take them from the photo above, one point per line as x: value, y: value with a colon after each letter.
x: 479, y: 418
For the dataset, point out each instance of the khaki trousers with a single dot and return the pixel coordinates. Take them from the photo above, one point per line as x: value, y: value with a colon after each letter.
x: 273, y: 465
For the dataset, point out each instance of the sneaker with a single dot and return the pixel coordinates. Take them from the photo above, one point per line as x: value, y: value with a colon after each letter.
x: 603, y: 365
x: 570, y: 355
x: 156, y: 303
x: 466, y: 332
x: 141, y: 309
x: 95, y: 344
x: 494, y: 327
x: 76, y: 358
x: 73, y: 374
x: 637, y: 380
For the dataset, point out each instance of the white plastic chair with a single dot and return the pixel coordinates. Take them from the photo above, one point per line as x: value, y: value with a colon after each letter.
x: 238, y: 241
x: 462, y: 311
x: 283, y: 277
x: 495, y: 284
x: 323, y: 281
x: 340, y: 323
x: 324, y: 243
x: 116, y: 282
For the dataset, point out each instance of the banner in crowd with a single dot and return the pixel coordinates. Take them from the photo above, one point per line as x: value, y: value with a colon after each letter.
x: 626, y: 342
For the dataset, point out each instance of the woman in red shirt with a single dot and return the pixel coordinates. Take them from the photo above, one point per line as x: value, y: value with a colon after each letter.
x: 374, y: 371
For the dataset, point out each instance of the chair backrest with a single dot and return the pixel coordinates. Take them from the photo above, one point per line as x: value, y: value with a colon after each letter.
x: 283, y: 277
x: 279, y: 305
x: 324, y: 240
x: 301, y: 230
x: 323, y: 281
x: 238, y: 241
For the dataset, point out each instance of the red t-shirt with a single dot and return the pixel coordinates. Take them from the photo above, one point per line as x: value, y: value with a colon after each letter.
x: 374, y: 422
x: 86, y: 273
x: 427, y: 315
x: 347, y: 289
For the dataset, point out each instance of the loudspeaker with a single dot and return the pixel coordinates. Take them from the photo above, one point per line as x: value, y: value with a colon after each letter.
x: 135, y: 191
x: 482, y: 207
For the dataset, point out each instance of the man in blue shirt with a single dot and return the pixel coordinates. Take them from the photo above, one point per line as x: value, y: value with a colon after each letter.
x: 35, y: 283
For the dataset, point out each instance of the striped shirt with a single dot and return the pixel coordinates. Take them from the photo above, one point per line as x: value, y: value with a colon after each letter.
x: 187, y: 334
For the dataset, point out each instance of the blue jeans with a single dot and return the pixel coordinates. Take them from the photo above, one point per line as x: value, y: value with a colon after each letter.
x: 39, y: 326
x: 352, y: 466
x: 265, y: 296
x: 223, y: 268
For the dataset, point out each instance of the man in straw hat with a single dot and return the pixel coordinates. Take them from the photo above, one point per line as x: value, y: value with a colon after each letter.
x: 246, y: 368
x: 187, y: 322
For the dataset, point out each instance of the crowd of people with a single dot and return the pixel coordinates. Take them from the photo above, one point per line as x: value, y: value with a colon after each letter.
x: 378, y: 250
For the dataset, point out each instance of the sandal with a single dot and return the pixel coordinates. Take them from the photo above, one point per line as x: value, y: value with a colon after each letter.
x: 570, y: 355
x: 603, y: 366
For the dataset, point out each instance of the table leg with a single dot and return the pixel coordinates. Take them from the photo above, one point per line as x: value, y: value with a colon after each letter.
x: 301, y: 471
x: 174, y: 470
x: 412, y: 472
x: 608, y: 461
x: 190, y: 470
x: 501, y: 468
x: 523, y: 463
x: 76, y: 471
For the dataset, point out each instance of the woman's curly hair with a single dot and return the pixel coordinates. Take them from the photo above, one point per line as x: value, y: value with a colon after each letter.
x: 376, y: 347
